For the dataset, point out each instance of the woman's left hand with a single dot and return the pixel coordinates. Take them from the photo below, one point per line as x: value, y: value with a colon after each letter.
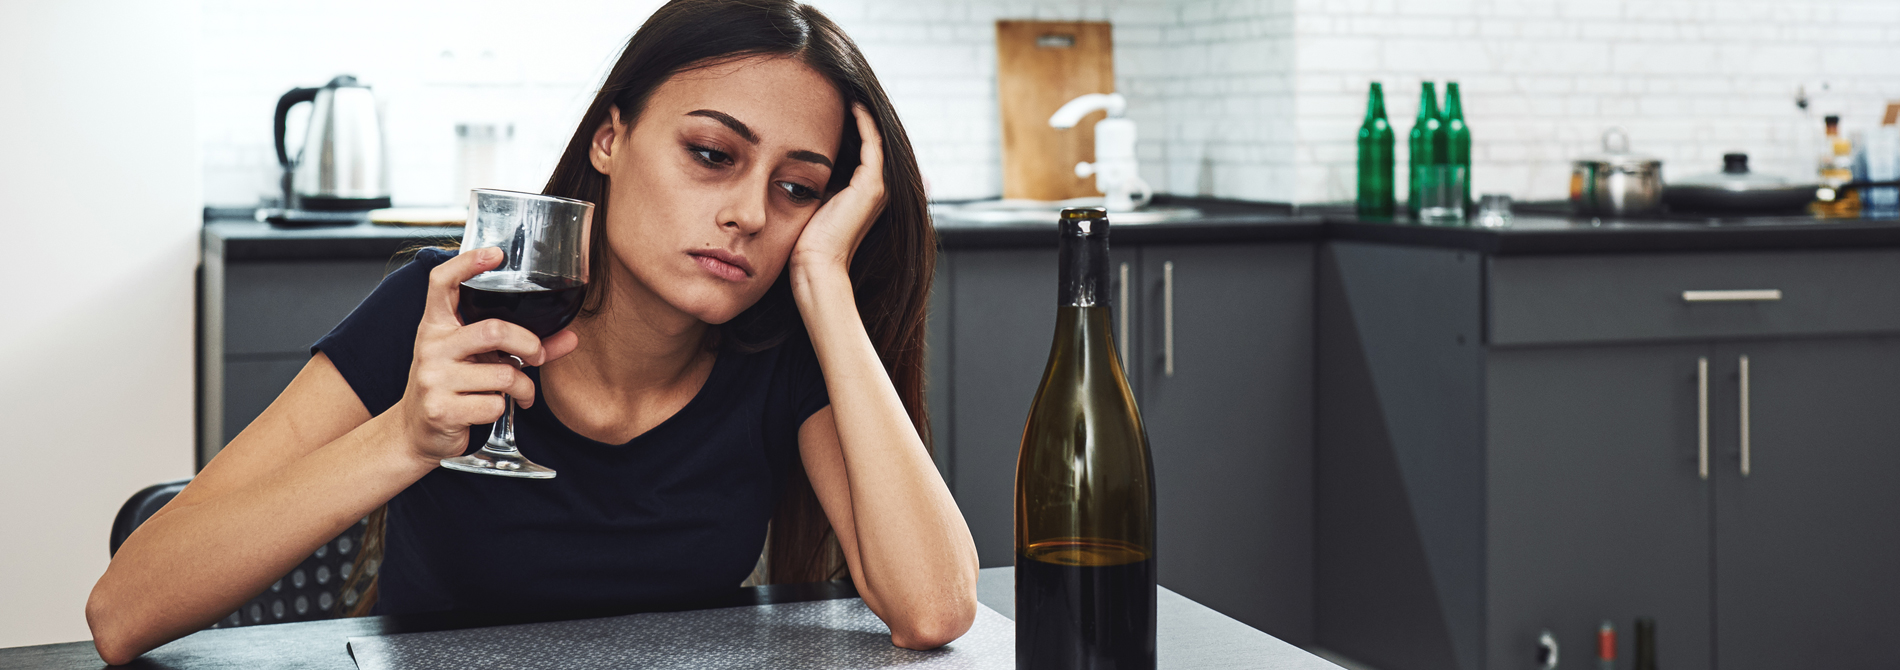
x: 833, y: 234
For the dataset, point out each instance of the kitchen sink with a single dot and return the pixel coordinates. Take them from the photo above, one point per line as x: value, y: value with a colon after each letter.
x: 1007, y: 212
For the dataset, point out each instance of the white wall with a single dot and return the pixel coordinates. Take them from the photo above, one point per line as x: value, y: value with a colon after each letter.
x: 1201, y: 74
x: 99, y: 171
x: 1542, y: 79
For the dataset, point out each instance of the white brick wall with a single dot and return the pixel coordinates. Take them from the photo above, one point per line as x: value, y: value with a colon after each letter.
x: 435, y: 63
x: 1541, y: 79
x: 1253, y: 99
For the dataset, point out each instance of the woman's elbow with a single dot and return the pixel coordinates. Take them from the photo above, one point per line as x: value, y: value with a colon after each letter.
x: 110, y: 636
x: 936, y: 628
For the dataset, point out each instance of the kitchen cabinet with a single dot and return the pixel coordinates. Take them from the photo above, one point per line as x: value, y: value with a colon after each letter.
x: 1513, y: 444
x: 257, y: 320
x: 1230, y: 427
x: 1805, y: 542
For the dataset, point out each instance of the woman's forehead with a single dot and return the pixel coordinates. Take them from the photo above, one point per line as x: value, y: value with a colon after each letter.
x: 780, y: 98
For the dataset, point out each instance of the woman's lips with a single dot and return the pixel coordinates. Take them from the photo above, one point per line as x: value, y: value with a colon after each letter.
x: 723, y: 264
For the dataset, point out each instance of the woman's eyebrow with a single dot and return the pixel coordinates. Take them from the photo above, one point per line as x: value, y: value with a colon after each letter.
x: 730, y: 122
x: 809, y: 157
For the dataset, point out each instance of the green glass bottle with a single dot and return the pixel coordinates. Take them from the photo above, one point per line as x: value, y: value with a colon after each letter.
x: 1458, y: 138
x: 1375, y: 158
x: 1426, y: 143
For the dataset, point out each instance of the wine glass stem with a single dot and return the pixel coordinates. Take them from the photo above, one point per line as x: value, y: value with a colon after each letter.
x: 502, y: 437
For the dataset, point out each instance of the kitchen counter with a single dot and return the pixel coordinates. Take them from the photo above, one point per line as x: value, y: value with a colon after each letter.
x: 1535, y: 230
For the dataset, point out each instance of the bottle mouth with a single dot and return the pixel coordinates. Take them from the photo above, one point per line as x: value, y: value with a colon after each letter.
x: 1084, y: 221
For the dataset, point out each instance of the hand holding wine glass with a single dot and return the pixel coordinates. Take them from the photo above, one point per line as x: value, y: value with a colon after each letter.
x: 537, y: 285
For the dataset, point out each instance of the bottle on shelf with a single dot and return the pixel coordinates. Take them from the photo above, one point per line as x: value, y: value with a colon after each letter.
x: 1376, y: 198
x: 1645, y: 644
x: 1837, y: 167
x: 1606, y: 646
x: 1458, y: 140
x: 1427, y: 144
x: 1085, y: 501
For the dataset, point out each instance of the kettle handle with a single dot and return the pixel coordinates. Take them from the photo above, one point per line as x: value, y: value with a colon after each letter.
x: 284, y: 104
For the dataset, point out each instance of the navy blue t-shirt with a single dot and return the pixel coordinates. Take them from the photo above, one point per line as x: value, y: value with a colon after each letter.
x: 678, y: 512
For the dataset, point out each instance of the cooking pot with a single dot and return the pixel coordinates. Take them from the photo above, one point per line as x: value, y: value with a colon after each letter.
x: 1616, y: 182
x: 1735, y: 190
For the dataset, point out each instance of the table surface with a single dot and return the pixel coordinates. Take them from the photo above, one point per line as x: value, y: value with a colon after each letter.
x: 1190, y: 635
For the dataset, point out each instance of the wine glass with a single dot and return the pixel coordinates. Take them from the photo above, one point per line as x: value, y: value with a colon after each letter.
x: 538, y: 286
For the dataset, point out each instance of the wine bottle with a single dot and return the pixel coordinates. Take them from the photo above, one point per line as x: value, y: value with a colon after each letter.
x: 1427, y: 144
x: 1085, y: 502
x: 1375, y: 158
x: 1458, y: 139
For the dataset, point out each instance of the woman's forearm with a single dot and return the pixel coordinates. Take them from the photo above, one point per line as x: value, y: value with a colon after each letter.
x: 188, y: 566
x: 915, y: 553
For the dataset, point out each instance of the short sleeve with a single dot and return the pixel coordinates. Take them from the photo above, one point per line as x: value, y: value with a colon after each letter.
x: 375, y: 344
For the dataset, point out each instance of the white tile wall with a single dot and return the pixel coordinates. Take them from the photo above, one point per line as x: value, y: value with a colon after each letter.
x: 1253, y: 99
x: 1541, y: 79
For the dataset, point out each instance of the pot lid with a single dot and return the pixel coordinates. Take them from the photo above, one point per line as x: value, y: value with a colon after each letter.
x: 1734, y: 177
x: 1616, y: 152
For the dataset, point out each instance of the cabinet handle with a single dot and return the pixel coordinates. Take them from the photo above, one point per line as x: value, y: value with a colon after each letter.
x: 1122, y: 308
x: 1702, y: 416
x: 1744, y: 397
x: 1167, y: 318
x: 1739, y: 295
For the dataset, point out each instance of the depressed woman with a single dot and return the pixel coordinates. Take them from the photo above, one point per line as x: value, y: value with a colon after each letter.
x: 745, y: 378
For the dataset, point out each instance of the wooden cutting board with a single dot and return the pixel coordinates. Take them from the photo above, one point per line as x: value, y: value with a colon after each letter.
x: 1039, y: 66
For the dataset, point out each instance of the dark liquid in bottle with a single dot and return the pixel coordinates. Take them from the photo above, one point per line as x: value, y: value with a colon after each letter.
x: 543, y: 304
x: 1085, y: 604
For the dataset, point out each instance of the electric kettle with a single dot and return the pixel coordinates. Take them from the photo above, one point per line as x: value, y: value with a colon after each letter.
x: 342, y: 166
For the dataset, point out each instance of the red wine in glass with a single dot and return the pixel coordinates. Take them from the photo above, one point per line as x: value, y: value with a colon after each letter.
x: 541, y: 303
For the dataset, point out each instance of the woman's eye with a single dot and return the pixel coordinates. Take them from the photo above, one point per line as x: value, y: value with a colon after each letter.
x: 799, y: 192
x: 711, y: 157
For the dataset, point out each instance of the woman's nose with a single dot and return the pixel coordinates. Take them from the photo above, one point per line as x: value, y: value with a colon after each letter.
x: 745, y: 210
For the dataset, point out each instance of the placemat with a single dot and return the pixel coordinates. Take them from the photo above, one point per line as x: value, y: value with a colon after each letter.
x: 816, y: 634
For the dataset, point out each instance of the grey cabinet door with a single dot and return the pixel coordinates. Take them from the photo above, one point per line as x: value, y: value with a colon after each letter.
x: 1003, y: 317
x: 1231, y: 427
x: 1596, y: 509
x: 1807, y: 559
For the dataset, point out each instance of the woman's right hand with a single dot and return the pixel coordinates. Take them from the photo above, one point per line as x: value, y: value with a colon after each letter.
x: 456, y: 377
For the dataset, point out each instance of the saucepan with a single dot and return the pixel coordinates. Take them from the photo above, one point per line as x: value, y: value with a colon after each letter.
x: 1736, y: 190
x: 1616, y: 182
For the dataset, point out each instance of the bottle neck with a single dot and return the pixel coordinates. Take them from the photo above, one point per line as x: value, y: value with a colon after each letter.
x: 1082, y: 252
x: 1375, y: 105
x: 1427, y: 102
x: 1454, y: 107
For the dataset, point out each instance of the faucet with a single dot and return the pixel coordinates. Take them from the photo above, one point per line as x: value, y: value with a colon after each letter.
x: 1117, y: 173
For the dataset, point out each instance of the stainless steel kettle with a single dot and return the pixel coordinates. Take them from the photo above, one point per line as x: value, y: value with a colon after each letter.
x: 342, y: 166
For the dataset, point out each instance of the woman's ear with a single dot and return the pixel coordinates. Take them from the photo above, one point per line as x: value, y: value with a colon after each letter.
x: 600, y: 151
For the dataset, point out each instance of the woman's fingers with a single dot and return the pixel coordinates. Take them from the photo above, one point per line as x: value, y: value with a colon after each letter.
x: 446, y: 279
x: 493, y: 335
x: 557, y: 345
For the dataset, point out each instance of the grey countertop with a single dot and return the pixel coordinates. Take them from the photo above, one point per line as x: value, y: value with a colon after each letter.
x: 1535, y: 230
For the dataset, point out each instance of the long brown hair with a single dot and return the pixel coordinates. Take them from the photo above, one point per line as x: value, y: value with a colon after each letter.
x: 891, y: 270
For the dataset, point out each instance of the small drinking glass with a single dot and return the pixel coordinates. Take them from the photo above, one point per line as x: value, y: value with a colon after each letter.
x: 1494, y: 211
x: 1442, y: 195
x: 538, y: 286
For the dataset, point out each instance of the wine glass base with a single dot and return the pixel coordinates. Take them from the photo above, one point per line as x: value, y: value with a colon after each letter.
x: 505, y: 465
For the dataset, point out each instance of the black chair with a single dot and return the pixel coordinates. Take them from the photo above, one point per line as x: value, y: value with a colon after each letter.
x: 314, y: 590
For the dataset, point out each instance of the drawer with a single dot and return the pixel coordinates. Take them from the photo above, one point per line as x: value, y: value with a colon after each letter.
x: 1571, y: 299
x: 284, y: 306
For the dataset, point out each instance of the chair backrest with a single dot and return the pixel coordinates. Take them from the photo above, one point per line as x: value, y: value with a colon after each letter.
x: 313, y: 590
x: 142, y: 506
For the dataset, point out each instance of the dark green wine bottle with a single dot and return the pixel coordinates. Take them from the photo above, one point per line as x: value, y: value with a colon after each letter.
x: 1458, y: 138
x: 1375, y: 158
x: 1427, y: 146
x: 1085, y: 501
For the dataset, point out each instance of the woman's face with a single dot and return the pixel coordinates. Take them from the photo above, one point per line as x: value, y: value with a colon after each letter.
x: 711, y: 186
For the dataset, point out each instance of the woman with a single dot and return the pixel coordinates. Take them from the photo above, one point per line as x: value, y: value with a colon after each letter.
x: 750, y: 350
